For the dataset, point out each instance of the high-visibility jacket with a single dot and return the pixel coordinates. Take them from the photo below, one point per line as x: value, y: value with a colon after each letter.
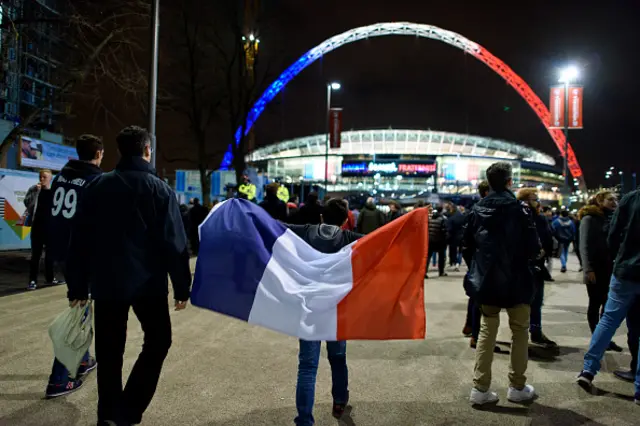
x: 283, y: 193
x: 248, y: 189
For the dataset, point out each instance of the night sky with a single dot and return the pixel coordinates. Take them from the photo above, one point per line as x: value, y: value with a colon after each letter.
x: 407, y: 82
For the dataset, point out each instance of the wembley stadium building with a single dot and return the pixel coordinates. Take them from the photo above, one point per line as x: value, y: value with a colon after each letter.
x: 404, y: 163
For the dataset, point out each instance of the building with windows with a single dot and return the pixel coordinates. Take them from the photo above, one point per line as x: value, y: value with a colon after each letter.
x: 29, y: 40
x: 401, y: 164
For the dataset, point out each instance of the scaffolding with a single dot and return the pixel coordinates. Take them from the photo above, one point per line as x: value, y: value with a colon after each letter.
x: 29, y: 43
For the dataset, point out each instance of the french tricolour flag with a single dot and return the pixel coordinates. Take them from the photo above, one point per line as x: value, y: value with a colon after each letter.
x: 254, y: 268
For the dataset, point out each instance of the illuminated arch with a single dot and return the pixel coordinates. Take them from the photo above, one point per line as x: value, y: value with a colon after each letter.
x: 416, y: 30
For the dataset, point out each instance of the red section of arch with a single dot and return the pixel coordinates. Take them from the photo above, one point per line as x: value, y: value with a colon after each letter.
x: 534, y: 102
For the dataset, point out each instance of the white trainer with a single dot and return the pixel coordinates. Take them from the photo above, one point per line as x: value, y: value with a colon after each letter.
x: 525, y: 394
x: 480, y: 398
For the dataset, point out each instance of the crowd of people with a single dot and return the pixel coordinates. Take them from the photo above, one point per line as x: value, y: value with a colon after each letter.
x: 118, y: 236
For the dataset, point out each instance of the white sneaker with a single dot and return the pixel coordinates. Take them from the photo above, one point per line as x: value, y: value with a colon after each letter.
x: 526, y: 394
x: 480, y: 398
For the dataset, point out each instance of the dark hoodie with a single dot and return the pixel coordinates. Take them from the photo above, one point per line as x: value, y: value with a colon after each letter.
x: 624, y: 238
x: 500, y: 245
x: 594, y: 249
x: 325, y: 238
x: 370, y: 219
x: 67, y: 191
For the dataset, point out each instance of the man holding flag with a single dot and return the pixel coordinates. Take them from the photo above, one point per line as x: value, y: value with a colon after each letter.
x: 328, y: 237
x: 314, y: 282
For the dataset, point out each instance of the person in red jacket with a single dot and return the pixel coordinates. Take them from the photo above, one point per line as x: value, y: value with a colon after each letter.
x: 350, y: 224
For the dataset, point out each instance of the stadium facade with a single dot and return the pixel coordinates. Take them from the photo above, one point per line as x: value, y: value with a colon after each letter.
x: 404, y: 163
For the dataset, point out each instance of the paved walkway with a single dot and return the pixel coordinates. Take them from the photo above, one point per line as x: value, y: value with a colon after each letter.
x: 222, y: 372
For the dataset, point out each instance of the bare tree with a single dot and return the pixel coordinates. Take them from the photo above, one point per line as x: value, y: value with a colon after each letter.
x: 246, y: 71
x: 99, y: 51
x: 192, y: 76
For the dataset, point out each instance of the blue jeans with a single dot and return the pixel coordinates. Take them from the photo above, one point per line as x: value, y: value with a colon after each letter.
x: 60, y: 374
x: 434, y: 259
x: 535, y: 320
x: 564, y: 254
x: 308, y: 359
x: 622, y: 295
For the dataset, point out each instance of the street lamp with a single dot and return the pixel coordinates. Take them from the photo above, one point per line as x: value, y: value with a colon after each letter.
x: 330, y: 87
x: 567, y: 75
x: 153, y: 75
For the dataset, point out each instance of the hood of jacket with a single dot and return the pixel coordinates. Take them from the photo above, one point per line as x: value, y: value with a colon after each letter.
x: 370, y: 206
x: 590, y: 211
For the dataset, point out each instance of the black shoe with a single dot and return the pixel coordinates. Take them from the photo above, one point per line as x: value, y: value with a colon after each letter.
x: 56, y: 390
x: 87, y: 366
x: 563, y: 270
x: 473, y: 344
x: 444, y: 274
x: 585, y: 381
x: 626, y: 375
x: 539, y: 338
x: 338, y: 410
x: 551, y: 280
x: 614, y: 348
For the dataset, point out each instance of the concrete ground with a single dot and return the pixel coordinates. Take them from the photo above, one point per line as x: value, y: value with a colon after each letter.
x: 223, y: 372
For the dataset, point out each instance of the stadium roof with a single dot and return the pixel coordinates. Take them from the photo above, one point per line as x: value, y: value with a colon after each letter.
x: 402, y: 142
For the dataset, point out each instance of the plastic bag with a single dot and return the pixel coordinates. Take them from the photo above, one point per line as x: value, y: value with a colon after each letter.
x: 71, y: 333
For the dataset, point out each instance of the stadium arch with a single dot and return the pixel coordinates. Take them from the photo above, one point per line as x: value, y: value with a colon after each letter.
x: 417, y: 30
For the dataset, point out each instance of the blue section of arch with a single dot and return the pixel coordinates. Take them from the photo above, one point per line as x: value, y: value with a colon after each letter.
x: 271, y: 92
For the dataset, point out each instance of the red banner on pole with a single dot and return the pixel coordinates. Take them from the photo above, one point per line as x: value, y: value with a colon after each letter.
x: 335, y: 127
x: 556, y: 106
x: 575, y: 107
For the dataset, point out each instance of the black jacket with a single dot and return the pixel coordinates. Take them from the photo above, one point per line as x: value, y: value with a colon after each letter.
x: 437, y: 229
x: 391, y: 216
x: 197, y: 214
x: 370, y: 219
x: 500, y: 245
x: 128, y: 235
x: 68, y: 191
x: 42, y: 213
x: 624, y: 238
x: 455, y: 227
x: 308, y: 214
x: 594, y: 249
x: 325, y: 238
x: 276, y: 208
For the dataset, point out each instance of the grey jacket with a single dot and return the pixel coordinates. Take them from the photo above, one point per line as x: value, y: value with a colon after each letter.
x: 594, y: 249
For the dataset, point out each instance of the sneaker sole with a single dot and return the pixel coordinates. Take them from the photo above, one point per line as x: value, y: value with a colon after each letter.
x: 89, y: 370
x: 484, y: 403
x: 585, y: 384
x: 66, y: 392
x: 520, y: 401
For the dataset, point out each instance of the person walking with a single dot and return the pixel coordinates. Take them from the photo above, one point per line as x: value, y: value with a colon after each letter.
x: 310, y: 213
x: 530, y: 197
x: 455, y: 230
x: 597, y: 258
x: 438, y: 240
x: 272, y: 204
x: 565, y: 232
x: 624, y: 243
x: 501, y: 243
x: 68, y: 191
x: 127, y: 237
x: 39, y: 203
x: 326, y: 238
x: 395, y: 211
x: 197, y: 214
x: 370, y: 218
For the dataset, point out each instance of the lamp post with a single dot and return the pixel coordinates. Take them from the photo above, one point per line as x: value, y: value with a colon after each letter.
x: 330, y: 88
x: 567, y: 75
x: 153, y: 75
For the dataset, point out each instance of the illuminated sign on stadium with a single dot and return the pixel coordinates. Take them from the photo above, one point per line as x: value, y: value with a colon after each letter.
x: 366, y: 168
